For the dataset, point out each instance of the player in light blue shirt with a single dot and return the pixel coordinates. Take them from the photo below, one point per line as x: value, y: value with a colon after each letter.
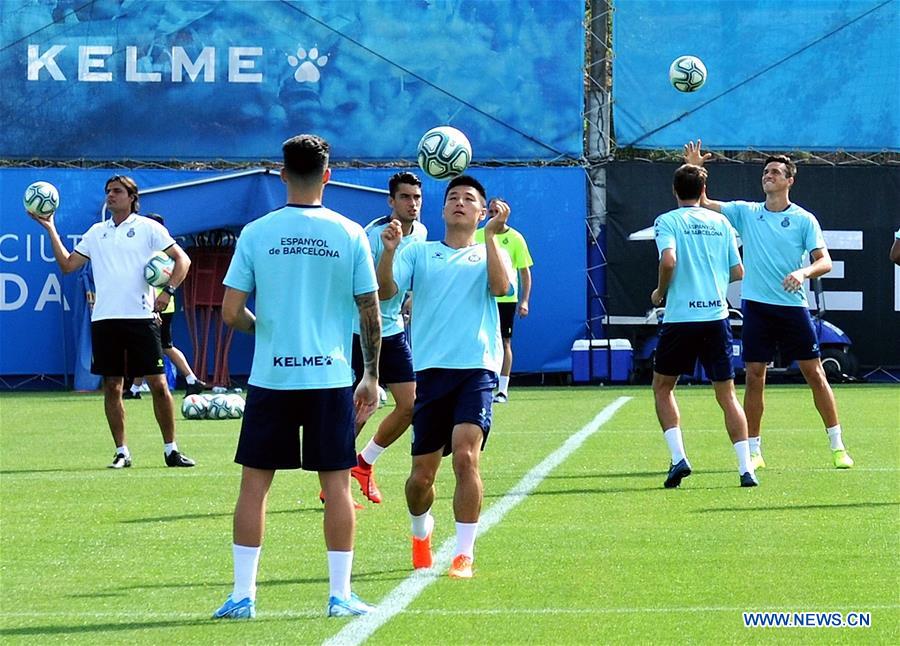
x: 777, y: 236
x: 395, y: 366
x: 457, y: 354
x: 698, y: 258
x: 310, y: 270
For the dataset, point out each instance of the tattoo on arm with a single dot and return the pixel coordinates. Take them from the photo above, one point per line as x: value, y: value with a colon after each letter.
x: 369, y: 330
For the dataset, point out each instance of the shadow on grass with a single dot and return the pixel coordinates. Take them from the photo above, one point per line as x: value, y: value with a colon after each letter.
x: 631, y: 474
x: 15, y: 472
x: 99, y: 628
x: 836, y: 505
x: 224, y: 514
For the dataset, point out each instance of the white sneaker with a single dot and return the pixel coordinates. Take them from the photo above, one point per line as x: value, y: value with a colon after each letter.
x: 501, y: 398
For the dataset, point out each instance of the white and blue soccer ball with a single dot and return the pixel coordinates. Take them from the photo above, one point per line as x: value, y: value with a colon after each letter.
x: 41, y: 199
x: 194, y: 407
x: 158, y: 269
x: 219, y: 407
x: 444, y: 152
x: 235, y: 406
x: 687, y: 74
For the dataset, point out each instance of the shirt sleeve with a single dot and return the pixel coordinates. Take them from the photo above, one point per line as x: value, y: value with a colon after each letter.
x: 240, y: 273
x: 86, y: 243
x: 734, y: 258
x: 734, y: 211
x: 524, y: 256
x: 160, y: 237
x: 364, y: 280
x: 813, y: 238
x: 664, y: 234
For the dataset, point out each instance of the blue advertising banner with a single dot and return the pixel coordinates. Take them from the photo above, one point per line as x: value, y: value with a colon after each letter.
x: 818, y: 75
x: 39, y: 307
x: 192, y: 79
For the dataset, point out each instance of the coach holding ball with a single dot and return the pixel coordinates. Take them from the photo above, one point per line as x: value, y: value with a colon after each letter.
x: 125, y: 328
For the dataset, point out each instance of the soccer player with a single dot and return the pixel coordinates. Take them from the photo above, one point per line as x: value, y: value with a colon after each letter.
x: 895, y: 249
x: 456, y: 352
x: 514, y: 243
x: 125, y: 329
x: 310, y: 269
x: 777, y: 236
x: 395, y: 367
x: 698, y: 258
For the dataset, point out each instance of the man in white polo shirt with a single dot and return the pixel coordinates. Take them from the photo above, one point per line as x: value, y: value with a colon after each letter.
x: 125, y: 328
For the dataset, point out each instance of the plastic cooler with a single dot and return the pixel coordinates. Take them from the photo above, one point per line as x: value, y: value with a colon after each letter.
x: 590, y: 360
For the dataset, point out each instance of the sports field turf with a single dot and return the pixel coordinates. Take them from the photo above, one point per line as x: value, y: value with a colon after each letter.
x: 593, y: 550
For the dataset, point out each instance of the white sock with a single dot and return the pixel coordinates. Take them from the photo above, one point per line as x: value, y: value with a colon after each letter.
x: 372, y: 452
x: 754, y: 444
x: 742, y: 449
x: 834, y: 436
x: 123, y: 450
x: 465, y: 538
x: 246, y: 563
x: 339, y: 566
x: 191, y: 379
x: 504, y: 385
x: 676, y: 446
x: 135, y: 389
x: 422, y: 525
x: 169, y: 447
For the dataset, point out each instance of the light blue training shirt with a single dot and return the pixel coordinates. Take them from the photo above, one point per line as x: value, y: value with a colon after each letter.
x: 391, y: 319
x: 455, y: 323
x: 305, y: 265
x: 775, y: 244
x: 705, y: 251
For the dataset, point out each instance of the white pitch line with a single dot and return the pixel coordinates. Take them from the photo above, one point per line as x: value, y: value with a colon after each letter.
x: 360, y: 629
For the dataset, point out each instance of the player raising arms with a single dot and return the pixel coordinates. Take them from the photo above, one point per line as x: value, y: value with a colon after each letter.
x: 777, y: 236
x: 698, y: 258
x: 301, y: 376
x: 457, y: 354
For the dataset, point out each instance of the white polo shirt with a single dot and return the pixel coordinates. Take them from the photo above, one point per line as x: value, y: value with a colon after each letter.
x: 118, y: 255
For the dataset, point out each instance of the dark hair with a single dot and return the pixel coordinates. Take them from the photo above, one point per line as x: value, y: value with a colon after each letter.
x: 155, y: 216
x: 790, y: 166
x: 130, y: 186
x: 689, y: 182
x: 403, y: 177
x: 305, y: 157
x: 466, y: 180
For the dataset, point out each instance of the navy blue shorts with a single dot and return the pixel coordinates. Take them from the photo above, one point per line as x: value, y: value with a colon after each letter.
x: 682, y: 344
x: 395, y: 364
x: 507, y: 312
x: 270, y: 432
x: 446, y: 397
x: 126, y: 347
x: 785, y: 327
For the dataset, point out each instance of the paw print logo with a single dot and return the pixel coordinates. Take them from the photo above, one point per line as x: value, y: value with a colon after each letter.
x: 307, y: 64
x: 328, y: 359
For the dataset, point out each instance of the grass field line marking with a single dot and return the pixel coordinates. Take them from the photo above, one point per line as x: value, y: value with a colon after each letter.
x: 440, y: 612
x: 360, y: 629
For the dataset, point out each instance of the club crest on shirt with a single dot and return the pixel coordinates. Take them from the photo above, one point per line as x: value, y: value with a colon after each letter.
x: 130, y: 233
x: 474, y: 257
x: 786, y: 222
x: 505, y: 241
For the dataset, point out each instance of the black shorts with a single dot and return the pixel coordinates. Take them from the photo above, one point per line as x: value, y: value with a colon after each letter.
x: 270, y: 431
x: 395, y: 364
x: 786, y: 327
x: 682, y: 344
x: 446, y: 397
x: 121, y: 347
x: 165, y: 332
x: 507, y: 313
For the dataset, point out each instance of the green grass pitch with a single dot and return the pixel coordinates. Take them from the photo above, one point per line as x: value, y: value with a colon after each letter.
x: 598, y: 552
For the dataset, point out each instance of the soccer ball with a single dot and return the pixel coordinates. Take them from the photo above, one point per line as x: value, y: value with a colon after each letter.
x: 235, y: 406
x: 41, y: 199
x: 444, y: 152
x: 687, y: 74
x: 194, y: 407
x: 382, y: 397
x: 158, y: 269
x: 219, y: 407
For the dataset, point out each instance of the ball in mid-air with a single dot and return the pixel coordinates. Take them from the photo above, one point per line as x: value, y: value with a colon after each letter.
x: 41, y: 199
x: 158, y: 269
x: 687, y: 74
x: 444, y: 152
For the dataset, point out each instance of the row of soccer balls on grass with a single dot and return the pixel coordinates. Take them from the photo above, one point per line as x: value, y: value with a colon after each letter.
x: 230, y: 406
